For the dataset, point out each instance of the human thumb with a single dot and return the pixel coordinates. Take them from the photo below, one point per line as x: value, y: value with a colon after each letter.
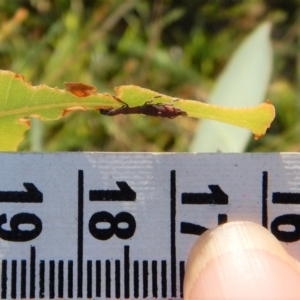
x: 240, y: 260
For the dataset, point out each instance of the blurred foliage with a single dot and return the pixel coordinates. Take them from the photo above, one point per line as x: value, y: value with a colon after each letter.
x: 173, y: 47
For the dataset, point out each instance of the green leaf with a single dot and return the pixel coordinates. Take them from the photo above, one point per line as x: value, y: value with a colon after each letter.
x: 20, y: 101
x: 256, y: 119
x: 243, y: 83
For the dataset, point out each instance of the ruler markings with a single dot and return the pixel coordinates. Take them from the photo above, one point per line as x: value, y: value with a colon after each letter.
x: 32, y: 195
x: 70, y: 279
x: 32, y: 272
x: 217, y: 196
x: 3, y: 279
x: 117, y: 278
x: 190, y: 228
x: 164, y: 279
x: 124, y: 194
x: 265, y: 199
x: 154, y: 279
x: 23, y: 279
x: 61, y: 279
x: 80, y: 235
x: 98, y: 278
x: 52, y: 279
x: 56, y: 268
x: 222, y: 219
x: 42, y: 279
x: 136, y: 279
x: 145, y: 278
x: 13, y: 279
x: 286, y: 198
x: 89, y: 268
x: 181, y: 276
x: 126, y: 272
x: 107, y: 278
x: 173, y: 233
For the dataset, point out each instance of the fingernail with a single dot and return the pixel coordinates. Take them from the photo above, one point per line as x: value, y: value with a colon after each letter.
x: 240, y: 260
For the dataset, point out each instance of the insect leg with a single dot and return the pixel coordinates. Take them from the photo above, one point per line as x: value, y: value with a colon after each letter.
x: 114, y: 111
x: 119, y: 100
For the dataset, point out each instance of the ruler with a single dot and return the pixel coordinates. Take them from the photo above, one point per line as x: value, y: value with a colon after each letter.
x: 120, y: 225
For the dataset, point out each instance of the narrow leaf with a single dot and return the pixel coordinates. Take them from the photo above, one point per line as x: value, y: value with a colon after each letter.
x: 243, y: 83
x: 21, y: 101
x: 256, y: 119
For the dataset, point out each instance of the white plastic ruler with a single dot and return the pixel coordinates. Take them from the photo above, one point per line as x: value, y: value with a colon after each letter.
x: 120, y: 225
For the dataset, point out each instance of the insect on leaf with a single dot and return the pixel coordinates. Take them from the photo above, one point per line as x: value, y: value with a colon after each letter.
x: 20, y: 100
x: 256, y: 118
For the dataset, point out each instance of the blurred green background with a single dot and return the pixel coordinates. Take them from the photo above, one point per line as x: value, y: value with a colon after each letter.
x: 173, y: 47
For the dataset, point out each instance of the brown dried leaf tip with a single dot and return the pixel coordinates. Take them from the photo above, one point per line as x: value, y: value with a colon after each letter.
x: 79, y: 89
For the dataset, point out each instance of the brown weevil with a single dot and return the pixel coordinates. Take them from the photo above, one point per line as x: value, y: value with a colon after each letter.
x: 148, y: 109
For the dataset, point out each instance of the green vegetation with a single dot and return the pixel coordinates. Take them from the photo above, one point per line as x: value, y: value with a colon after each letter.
x: 177, y: 48
x: 21, y: 103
